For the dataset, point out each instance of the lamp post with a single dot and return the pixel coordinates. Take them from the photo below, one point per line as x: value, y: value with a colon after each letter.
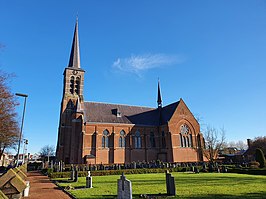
x: 23, y: 114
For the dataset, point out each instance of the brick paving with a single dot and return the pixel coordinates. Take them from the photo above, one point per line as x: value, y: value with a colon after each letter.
x: 41, y: 188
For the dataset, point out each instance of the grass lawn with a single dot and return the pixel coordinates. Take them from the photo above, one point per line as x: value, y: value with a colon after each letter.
x: 188, y: 185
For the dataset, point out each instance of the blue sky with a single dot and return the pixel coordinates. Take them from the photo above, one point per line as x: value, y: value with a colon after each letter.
x: 210, y: 53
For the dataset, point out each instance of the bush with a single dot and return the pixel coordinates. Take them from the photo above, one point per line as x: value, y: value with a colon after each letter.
x: 248, y: 171
x: 259, y: 157
x: 47, y: 171
x: 119, y: 172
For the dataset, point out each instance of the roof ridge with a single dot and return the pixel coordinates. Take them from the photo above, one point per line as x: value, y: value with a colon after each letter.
x: 171, y: 104
x: 119, y: 104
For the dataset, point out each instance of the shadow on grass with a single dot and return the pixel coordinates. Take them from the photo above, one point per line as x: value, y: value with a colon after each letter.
x: 259, y: 195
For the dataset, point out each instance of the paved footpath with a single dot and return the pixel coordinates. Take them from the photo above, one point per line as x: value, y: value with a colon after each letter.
x: 41, y: 187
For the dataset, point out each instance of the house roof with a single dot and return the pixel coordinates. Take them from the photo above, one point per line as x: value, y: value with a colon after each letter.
x: 108, y: 113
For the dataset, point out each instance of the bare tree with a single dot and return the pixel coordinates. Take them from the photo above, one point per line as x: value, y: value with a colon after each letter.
x: 258, y: 142
x: 214, y: 142
x: 240, y: 145
x: 9, y: 130
x: 47, y: 151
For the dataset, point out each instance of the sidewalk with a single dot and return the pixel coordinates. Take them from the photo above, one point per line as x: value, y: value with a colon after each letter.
x: 41, y: 187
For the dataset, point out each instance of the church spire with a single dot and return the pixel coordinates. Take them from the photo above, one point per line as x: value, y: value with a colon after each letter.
x: 74, y: 60
x: 159, y: 98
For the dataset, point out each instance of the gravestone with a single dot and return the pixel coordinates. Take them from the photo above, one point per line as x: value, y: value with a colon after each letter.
x: 59, y: 166
x: 2, y: 195
x: 72, y: 174
x: 124, y: 188
x: 89, y: 180
x: 75, y: 176
x: 20, y: 172
x: 12, y: 185
x: 134, y: 165
x: 52, y: 164
x: 210, y: 167
x: 192, y: 169
x: 224, y: 169
x: 170, y: 184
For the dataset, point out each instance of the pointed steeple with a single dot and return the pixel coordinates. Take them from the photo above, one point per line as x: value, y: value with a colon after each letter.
x: 159, y: 98
x: 74, y: 60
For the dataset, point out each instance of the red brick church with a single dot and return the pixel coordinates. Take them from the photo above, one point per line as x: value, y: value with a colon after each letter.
x: 95, y: 133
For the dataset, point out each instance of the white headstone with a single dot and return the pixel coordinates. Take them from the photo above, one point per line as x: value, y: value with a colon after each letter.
x: 89, y: 180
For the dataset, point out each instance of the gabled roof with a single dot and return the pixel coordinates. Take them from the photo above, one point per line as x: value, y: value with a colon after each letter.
x: 104, y: 113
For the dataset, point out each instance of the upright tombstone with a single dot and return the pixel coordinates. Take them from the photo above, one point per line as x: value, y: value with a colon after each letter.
x: 72, y: 172
x: 89, y: 180
x: 170, y: 184
x: 20, y: 172
x: 12, y: 185
x: 75, y: 174
x: 134, y: 165
x: 124, y: 188
x: 59, y: 166
x: 52, y: 164
x: 2, y: 195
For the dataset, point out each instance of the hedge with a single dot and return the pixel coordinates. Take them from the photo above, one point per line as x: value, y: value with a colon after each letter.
x: 119, y: 172
x: 248, y: 171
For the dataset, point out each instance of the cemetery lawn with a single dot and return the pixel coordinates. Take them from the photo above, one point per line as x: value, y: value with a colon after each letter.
x: 188, y: 185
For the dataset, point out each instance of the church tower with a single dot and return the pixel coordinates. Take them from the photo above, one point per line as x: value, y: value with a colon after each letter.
x: 72, y: 100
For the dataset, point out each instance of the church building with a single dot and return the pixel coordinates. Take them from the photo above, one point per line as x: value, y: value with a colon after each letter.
x: 106, y: 133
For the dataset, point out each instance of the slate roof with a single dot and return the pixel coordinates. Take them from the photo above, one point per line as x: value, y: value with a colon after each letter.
x: 74, y: 60
x: 105, y: 113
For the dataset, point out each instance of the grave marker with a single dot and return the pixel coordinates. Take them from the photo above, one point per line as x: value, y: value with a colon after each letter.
x: 12, y: 185
x: 75, y: 175
x: 89, y: 180
x: 124, y: 188
x: 170, y: 184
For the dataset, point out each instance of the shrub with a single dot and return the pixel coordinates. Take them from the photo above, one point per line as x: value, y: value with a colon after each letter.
x: 248, y: 171
x: 119, y: 172
x: 259, y: 157
x: 47, y: 171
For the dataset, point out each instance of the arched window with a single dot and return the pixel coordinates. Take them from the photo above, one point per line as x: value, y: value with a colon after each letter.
x: 190, y: 140
x: 152, y: 139
x: 184, y: 130
x: 105, y: 139
x: 137, y: 140
x: 187, y: 140
x: 163, y: 140
x: 185, y: 136
x: 77, y: 85
x: 181, y: 140
x: 122, y: 140
x: 72, y: 85
x: 184, y: 141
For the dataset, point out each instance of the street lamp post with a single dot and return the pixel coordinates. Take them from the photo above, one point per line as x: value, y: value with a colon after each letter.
x: 23, y: 114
